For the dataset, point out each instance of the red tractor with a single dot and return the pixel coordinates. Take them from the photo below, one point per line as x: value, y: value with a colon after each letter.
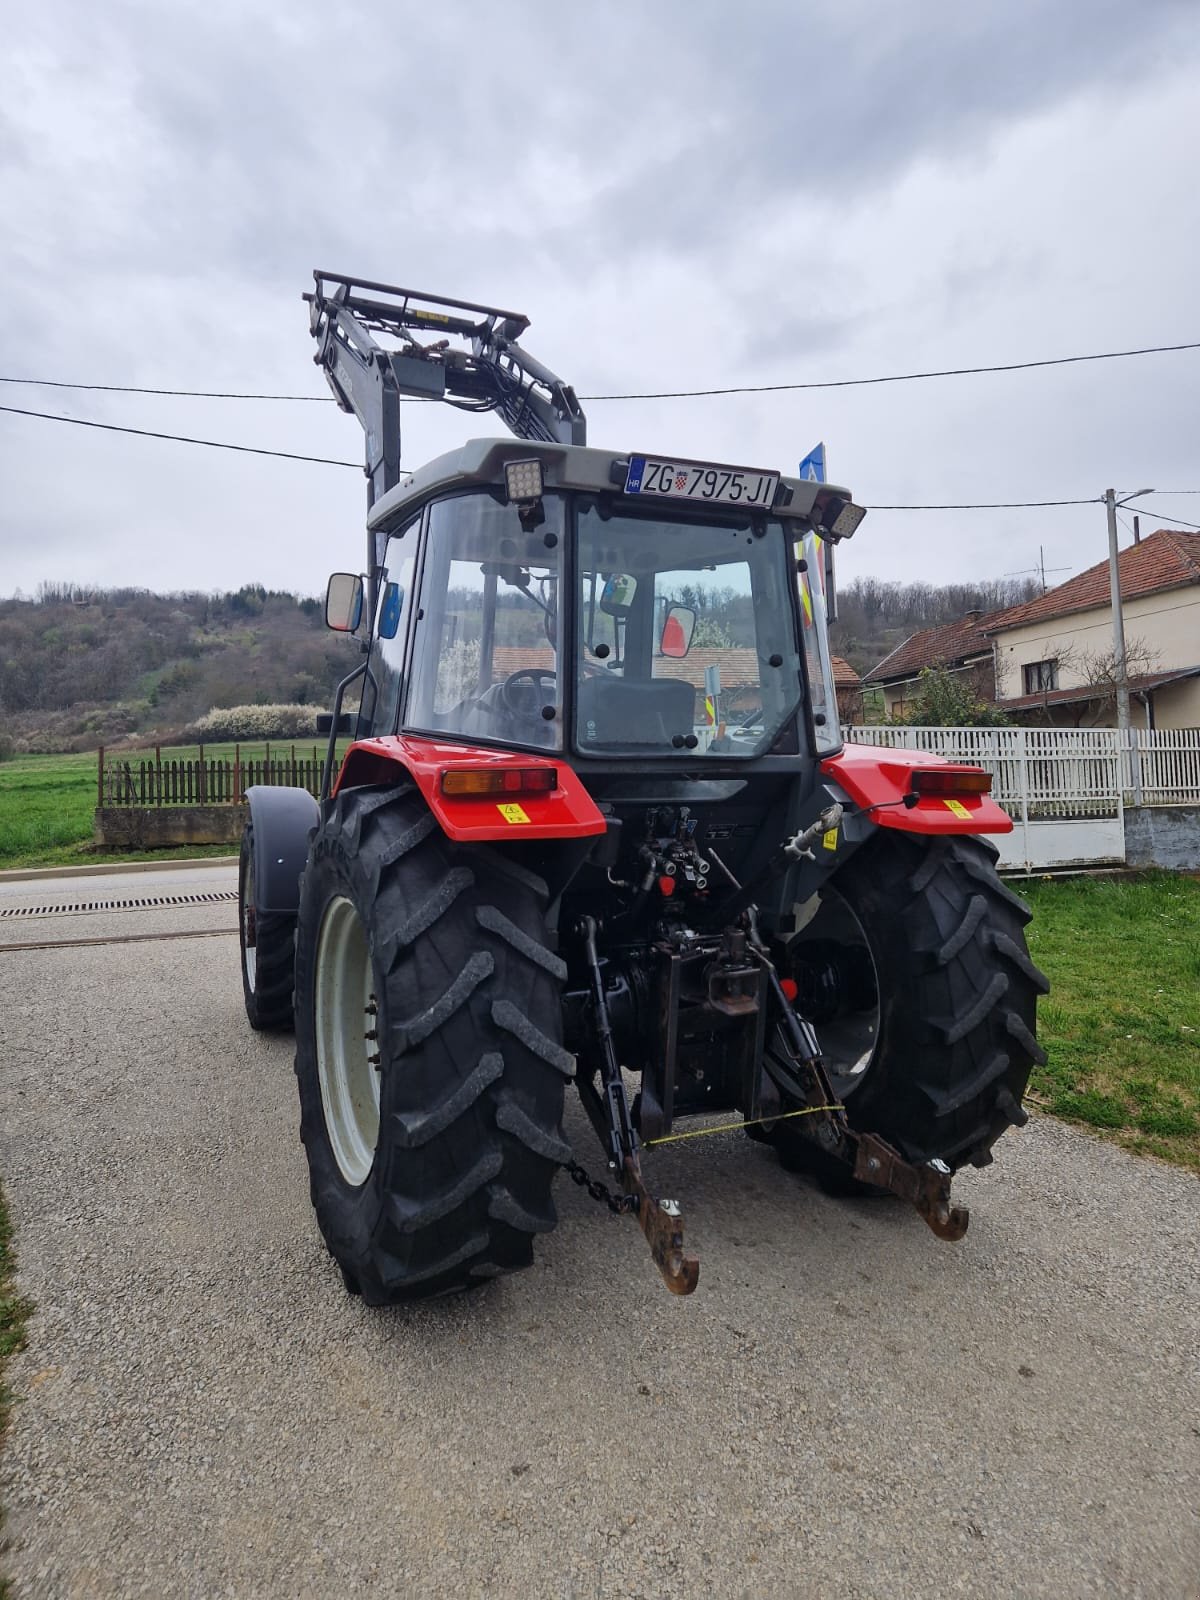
x: 597, y: 826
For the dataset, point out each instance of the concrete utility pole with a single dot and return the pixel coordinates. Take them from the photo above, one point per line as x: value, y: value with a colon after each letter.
x: 1120, y: 665
x: 1114, y: 585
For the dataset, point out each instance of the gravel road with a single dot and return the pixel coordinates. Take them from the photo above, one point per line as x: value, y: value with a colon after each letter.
x: 846, y: 1407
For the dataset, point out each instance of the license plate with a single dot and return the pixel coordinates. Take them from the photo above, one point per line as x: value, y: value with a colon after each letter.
x: 700, y: 480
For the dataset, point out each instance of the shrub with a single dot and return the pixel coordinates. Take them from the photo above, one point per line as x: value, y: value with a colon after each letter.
x: 224, y: 723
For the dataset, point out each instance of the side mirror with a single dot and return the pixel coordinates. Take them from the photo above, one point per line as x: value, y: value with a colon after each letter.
x: 345, y: 722
x: 617, y: 595
x: 344, y: 602
x: 678, y: 626
x: 390, y: 610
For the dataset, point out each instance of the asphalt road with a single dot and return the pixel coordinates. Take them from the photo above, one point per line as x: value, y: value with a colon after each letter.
x: 846, y: 1407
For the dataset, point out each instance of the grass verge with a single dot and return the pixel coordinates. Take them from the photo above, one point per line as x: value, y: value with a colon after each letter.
x: 13, y: 1314
x: 47, y: 804
x: 1121, y: 1025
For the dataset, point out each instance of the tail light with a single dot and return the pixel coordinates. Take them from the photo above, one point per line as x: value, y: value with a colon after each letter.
x: 469, y: 782
x: 951, y: 781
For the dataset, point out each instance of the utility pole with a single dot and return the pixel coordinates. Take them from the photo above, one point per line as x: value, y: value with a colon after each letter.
x: 1114, y: 585
x: 1119, y: 662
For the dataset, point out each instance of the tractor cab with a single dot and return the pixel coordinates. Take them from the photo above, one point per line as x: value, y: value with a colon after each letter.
x: 531, y: 602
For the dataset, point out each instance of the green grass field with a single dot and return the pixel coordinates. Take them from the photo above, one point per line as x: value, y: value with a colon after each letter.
x: 47, y: 804
x: 1121, y: 1024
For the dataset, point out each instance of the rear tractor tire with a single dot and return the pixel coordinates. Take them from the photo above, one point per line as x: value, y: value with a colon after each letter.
x: 917, y: 976
x: 268, y: 950
x: 429, y: 1051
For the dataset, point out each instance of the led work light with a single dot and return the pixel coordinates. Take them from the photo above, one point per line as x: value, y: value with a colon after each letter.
x: 840, y: 518
x: 523, y: 481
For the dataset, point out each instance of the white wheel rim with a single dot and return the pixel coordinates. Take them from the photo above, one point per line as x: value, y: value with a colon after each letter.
x: 343, y: 1016
x: 249, y: 926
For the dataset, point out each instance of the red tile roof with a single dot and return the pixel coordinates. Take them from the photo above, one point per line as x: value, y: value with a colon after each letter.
x: 1167, y: 559
x: 946, y: 646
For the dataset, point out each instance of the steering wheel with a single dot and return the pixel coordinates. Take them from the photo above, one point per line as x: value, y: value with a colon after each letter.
x: 538, y: 677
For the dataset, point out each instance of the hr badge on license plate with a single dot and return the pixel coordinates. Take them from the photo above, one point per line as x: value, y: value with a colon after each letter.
x: 702, y: 481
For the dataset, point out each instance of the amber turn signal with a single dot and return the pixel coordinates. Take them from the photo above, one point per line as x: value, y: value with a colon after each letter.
x: 470, y: 781
x: 951, y: 780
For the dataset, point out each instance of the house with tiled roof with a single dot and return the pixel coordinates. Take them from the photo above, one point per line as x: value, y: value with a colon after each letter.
x: 1053, y: 656
x: 962, y: 648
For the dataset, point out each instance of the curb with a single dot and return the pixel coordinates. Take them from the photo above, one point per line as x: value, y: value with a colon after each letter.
x: 100, y: 870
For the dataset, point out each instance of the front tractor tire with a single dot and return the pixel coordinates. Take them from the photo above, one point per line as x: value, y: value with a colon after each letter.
x: 428, y: 1051
x: 267, y: 944
x: 933, y: 1035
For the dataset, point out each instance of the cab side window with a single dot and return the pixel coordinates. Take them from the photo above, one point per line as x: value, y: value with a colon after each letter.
x: 391, y: 629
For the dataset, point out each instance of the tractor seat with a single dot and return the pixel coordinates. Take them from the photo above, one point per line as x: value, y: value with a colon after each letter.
x: 623, y: 711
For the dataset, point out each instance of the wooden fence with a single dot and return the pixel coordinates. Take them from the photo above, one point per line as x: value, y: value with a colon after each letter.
x: 148, y: 780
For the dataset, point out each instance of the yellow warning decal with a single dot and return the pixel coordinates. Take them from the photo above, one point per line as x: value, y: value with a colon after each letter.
x: 512, y: 813
x: 956, y: 806
x: 829, y: 839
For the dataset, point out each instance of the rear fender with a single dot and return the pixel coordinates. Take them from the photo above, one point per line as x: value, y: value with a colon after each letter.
x: 565, y: 812
x: 878, y: 779
x: 283, y: 820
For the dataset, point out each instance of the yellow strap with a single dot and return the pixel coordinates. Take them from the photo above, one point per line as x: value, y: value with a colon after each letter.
x: 729, y: 1127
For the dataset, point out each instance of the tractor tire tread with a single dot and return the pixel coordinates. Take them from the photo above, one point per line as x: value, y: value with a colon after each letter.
x: 958, y: 998
x: 473, y: 1071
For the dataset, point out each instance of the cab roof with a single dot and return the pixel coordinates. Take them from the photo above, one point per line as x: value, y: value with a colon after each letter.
x: 564, y: 466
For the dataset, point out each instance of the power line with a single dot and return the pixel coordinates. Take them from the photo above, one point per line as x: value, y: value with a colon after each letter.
x: 326, y: 461
x: 993, y: 505
x: 900, y: 377
x: 329, y: 461
x: 1163, y: 516
x: 668, y: 394
x: 180, y: 438
x: 188, y: 394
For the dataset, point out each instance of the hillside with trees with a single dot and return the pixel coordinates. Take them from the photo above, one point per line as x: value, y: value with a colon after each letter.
x: 875, y: 616
x: 82, y: 667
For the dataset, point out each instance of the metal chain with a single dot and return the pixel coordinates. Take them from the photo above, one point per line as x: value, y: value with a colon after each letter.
x: 616, y: 1203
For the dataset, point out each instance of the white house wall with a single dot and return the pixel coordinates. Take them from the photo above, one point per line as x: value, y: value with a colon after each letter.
x: 1167, y: 624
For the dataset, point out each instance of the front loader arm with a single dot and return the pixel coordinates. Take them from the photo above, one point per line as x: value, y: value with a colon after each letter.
x: 488, y: 371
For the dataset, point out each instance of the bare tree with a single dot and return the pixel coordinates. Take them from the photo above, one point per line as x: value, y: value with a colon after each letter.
x: 1096, y: 671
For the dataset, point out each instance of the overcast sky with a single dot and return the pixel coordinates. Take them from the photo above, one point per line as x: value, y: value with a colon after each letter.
x: 678, y: 195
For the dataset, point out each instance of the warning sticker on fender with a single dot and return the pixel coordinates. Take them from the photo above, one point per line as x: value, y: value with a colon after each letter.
x: 513, y: 813
x: 829, y: 838
x: 956, y: 806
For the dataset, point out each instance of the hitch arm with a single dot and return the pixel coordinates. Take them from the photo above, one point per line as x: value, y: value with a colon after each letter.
x: 870, y: 1158
x: 661, y: 1220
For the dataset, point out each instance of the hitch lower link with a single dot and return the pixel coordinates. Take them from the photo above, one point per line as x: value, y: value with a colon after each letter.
x: 871, y: 1159
x: 661, y: 1221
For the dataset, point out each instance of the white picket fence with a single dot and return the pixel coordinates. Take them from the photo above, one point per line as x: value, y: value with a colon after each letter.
x: 1064, y: 788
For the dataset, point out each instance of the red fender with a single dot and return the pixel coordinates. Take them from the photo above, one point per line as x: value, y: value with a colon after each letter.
x: 877, y: 780
x: 565, y: 812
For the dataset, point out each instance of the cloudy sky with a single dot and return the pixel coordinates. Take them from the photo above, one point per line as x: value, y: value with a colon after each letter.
x: 678, y: 195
